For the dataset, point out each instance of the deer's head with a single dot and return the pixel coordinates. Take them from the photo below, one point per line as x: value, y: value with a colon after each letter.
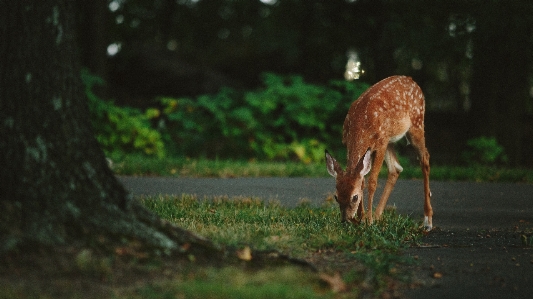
x: 349, y: 184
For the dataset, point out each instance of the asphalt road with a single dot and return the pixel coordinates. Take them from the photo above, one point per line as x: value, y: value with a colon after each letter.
x: 474, y: 250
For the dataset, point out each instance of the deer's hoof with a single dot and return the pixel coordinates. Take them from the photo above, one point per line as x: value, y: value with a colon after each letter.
x: 428, y: 225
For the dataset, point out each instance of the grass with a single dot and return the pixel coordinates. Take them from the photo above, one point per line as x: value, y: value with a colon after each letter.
x: 181, y: 167
x: 351, y: 261
x: 366, y: 256
x: 231, y: 282
x: 241, y: 221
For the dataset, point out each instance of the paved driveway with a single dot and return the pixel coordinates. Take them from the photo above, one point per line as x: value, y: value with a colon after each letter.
x: 474, y: 251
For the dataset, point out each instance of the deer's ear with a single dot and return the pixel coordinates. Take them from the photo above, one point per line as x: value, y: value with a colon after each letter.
x: 364, y: 164
x: 332, y: 165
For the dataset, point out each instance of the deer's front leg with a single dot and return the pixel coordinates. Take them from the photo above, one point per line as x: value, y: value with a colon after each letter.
x: 394, y: 169
x: 361, y: 208
x: 373, y: 180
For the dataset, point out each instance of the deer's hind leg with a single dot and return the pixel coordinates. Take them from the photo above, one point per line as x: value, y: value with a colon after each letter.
x: 416, y: 136
x: 394, y: 169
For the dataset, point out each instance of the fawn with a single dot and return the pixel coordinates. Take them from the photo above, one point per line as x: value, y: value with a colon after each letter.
x: 382, y: 115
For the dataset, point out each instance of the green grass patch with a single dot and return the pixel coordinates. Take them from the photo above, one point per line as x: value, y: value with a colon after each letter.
x: 241, y: 221
x: 234, y: 283
x: 366, y: 256
x: 182, y: 167
x: 474, y: 174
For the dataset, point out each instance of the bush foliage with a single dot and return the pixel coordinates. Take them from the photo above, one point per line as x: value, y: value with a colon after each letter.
x: 286, y: 119
x: 120, y: 130
x: 484, y: 151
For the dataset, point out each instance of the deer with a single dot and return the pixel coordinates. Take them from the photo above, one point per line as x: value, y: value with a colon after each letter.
x: 382, y: 115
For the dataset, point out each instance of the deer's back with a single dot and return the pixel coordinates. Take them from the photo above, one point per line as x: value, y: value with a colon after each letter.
x: 385, y: 111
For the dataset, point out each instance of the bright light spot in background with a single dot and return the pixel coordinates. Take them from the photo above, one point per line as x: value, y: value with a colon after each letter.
x: 353, y: 66
x: 119, y: 19
x: 460, y: 25
x: 113, y: 49
x: 269, y: 2
x: 172, y: 45
x: 470, y: 28
x: 451, y: 28
x: 114, y: 5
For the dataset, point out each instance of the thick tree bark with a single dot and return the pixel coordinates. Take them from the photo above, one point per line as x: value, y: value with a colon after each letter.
x: 56, y: 187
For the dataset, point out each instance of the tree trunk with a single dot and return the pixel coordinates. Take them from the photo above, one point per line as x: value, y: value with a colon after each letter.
x: 56, y: 185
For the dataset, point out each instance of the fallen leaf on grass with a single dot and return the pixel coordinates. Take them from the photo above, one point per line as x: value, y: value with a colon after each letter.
x: 245, y: 254
x: 335, y: 282
x: 437, y: 275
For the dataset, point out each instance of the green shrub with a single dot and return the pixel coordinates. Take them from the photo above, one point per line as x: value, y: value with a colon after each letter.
x: 210, y: 126
x: 121, y: 130
x: 484, y: 151
x: 287, y: 119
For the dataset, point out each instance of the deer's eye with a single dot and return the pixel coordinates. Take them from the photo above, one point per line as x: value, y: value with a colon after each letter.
x: 355, y: 197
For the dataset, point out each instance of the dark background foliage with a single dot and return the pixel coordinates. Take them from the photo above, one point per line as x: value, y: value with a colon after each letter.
x: 471, y: 58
